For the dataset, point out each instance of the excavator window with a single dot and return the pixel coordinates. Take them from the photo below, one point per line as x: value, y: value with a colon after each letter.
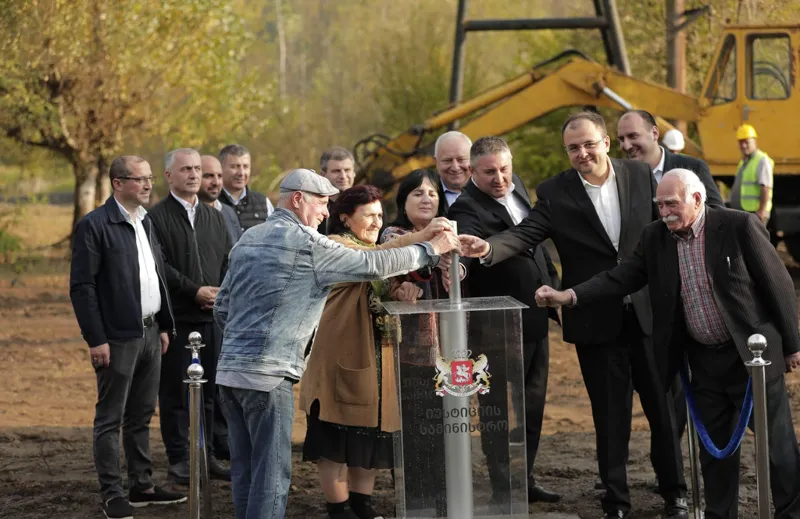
x: 769, y: 59
x: 722, y: 84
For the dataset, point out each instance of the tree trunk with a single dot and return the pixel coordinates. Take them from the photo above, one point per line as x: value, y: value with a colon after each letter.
x: 85, y: 185
x: 103, y: 185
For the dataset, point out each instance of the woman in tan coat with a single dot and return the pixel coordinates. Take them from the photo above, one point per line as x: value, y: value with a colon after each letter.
x: 349, y: 390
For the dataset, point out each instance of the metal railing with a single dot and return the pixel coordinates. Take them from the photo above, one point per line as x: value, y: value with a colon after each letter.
x: 198, y: 455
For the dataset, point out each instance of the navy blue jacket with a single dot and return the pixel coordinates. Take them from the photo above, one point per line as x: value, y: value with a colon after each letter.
x: 104, y: 277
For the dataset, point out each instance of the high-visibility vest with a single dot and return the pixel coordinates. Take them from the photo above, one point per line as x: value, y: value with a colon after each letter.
x: 750, y: 191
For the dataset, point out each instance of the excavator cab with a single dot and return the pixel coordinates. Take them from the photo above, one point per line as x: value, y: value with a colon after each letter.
x: 753, y: 79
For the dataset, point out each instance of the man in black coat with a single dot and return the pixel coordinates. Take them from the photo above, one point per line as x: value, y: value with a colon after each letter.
x: 638, y: 134
x: 196, y: 246
x: 714, y: 280
x: 594, y: 213
x: 492, y: 201
x: 251, y: 207
x: 210, y: 191
x: 118, y: 290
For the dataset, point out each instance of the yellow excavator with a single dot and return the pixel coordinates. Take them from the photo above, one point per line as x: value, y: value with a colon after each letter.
x: 752, y: 79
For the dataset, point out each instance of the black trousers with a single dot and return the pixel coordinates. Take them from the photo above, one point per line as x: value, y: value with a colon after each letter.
x: 494, y: 443
x: 610, y: 372
x: 678, y: 400
x: 126, y: 397
x: 173, y: 393
x: 719, y: 381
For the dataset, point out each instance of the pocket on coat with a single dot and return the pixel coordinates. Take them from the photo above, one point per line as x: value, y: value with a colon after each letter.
x: 352, y: 386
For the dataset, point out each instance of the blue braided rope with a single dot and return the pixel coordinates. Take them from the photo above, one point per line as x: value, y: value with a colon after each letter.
x: 702, y: 433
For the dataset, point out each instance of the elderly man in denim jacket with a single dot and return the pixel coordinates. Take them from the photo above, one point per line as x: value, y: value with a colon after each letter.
x: 269, y: 307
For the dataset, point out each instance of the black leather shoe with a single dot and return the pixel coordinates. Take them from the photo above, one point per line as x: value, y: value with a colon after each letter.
x: 217, y: 470
x: 180, y: 472
x: 537, y: 494
x: 616, y: 514
x: 676, y: 508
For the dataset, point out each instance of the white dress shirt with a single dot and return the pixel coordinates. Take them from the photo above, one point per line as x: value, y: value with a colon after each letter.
x: 658, y: 171
x: 516, y: 208
x: 148, y: 277
x: 605, y: 199
x: 236, y: 200
x: 191, y: 209
x: 217, y: 205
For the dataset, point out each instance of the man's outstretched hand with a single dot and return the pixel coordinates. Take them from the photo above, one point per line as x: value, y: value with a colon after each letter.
x: 445, y: 242
x: 547, y: 296
x: 473, y: 247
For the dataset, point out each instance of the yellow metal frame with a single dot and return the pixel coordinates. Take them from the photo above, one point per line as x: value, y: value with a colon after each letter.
x: 580, y: 81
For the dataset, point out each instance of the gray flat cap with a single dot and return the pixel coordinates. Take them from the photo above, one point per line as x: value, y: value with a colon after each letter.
x: 308, y: 181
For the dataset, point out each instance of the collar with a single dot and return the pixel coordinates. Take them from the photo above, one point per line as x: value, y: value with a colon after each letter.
x: 612, y: 175
x: 660, y: 166
x: 217, y: 205
x: 244, y: 194
x: 186, y: 205
x: 695, y: 229
x: 501, y: 199
x: 140, y: 212
x: 448, y: 190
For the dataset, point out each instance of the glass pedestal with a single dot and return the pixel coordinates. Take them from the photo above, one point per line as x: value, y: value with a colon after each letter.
x: 461, y: 451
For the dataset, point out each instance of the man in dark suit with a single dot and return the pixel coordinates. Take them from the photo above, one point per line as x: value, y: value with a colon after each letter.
x: 451, y: 152
x: 493, y: 201
x: 594, y: 213
x: 637, y: 133
x: 714, y: 280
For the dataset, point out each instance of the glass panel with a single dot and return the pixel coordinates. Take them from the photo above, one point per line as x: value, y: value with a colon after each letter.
x: 769, y: 67
x: 444, y: 305
x: 722, y: 83
x: 458, y: 413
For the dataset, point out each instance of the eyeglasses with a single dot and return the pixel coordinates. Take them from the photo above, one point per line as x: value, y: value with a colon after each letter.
x: 139, y: 180
x: 574, y: 149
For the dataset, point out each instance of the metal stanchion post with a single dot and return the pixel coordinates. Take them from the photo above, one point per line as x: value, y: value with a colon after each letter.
x: 691, y: 435
x: 195, y: 373
x: 757, y: 343
x: 457, y: 438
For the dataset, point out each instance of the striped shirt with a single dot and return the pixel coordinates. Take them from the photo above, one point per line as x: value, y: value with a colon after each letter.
x: 704, y: 321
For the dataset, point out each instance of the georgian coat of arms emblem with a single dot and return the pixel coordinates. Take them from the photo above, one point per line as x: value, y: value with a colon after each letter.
x: 462, y: 376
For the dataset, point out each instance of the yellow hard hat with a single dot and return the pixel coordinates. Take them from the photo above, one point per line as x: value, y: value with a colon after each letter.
x: 746, y: 131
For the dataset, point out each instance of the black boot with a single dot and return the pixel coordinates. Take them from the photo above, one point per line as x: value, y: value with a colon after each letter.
x: 361, y: 504
x: 340, y: 511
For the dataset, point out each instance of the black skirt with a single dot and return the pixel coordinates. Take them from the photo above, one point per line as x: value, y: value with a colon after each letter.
x: 363, y: 447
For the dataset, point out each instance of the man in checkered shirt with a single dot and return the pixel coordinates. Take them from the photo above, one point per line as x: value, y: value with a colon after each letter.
x: 714, y: 280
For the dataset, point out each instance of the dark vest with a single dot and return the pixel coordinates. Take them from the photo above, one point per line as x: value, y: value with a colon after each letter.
x: 252, y: 208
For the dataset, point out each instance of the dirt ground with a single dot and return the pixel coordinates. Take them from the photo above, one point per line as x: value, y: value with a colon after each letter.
x: 47, y: 395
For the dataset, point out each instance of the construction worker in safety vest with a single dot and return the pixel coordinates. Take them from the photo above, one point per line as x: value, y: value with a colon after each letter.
x: 752, y: 189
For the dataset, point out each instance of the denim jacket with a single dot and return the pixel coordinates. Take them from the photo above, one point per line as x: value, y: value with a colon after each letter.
x: 279, y: 276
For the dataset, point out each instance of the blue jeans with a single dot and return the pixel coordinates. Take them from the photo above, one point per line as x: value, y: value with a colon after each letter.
x: 260, y: 439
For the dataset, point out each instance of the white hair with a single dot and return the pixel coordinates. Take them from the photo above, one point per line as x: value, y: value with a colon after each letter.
x: 170, y: 158
x: 691, y: 182
x: 447, y: 136
x: 285, y: 198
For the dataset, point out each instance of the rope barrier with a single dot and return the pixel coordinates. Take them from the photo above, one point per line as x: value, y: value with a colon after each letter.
x: 702, y: 433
